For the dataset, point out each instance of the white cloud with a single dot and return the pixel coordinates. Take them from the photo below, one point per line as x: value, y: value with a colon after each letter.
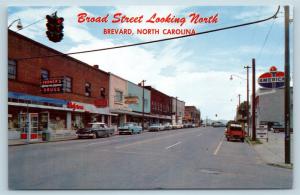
x: 259, y: 13
x: 77, y: 33
x: 147, y: 12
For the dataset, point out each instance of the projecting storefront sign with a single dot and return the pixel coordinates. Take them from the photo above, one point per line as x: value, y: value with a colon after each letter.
x: 131, y: 100
x: 272, y: 79
x: 52, y: 85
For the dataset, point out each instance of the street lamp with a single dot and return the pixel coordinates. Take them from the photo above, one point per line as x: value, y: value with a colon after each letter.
x: 19, y: 25
x: 247, y: 105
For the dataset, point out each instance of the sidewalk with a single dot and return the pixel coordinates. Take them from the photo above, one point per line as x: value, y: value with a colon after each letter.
x: 272, y: 152
x: 16, y: 142
x: 54, y: 138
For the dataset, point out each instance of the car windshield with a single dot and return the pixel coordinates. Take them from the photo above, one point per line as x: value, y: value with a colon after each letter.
x: 96, y: 126
x: 235, y: 128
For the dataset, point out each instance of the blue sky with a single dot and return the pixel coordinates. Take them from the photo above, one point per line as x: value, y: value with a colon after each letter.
x: 196, y: 69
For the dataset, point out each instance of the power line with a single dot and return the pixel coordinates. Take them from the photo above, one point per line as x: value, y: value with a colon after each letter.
x: 32, y: 24
x: 266, y: 38
x: 155, y: 41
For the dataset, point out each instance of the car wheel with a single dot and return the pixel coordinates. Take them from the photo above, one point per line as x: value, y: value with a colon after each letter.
x: 242, y: 140
x: 95, y: 135
x: 228, y: 139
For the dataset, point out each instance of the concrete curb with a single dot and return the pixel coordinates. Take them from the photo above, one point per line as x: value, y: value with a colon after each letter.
x: 40, y: 142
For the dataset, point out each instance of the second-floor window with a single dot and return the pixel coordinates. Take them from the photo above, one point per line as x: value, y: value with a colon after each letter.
x: 88, y: 89
x: 44, y: 74
x: 68, y: 84
x: 118, y: 96
x: 12, y: 69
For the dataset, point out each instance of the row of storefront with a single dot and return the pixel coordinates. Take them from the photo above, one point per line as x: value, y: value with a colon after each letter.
x: 63, y: 93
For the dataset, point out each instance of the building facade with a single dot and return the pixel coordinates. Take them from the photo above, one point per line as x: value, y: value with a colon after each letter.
x: 270, y: 105
x: 53, y: 93
x: 178, y: 107
x: 118, y: 90
x: 161, y: 106
x: 192, y: 115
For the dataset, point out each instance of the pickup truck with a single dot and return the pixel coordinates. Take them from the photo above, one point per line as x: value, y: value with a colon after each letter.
x: 235, y: 131
x: 95, y: 130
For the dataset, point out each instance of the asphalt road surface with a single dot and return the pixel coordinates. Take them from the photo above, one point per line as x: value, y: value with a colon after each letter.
x: 196, y: 158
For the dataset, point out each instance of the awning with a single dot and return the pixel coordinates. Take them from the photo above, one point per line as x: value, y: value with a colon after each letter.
x: 36, y: 99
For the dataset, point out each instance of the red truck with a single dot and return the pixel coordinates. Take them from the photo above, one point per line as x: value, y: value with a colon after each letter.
x: 235, y: 131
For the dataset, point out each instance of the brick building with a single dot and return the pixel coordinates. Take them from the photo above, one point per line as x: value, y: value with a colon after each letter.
x: 73, y: 94
x: 192, y: 115
x: 160, y: 107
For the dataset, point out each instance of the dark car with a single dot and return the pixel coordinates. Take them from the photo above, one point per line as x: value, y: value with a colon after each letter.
x: 95, y: 130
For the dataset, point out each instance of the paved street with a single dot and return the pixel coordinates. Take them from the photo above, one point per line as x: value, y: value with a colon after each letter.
x: 186, y: 158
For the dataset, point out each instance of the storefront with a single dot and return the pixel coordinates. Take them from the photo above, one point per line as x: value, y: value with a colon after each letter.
x: 40, y: 114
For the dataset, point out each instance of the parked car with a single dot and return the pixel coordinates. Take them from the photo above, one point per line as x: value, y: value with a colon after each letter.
x: 277, y: 127
x: 235, y: 131
x: 129, y: 128
x: 156, y: 127
x: 95, y: 130
x: 167, y: 126
x: 218, y: 124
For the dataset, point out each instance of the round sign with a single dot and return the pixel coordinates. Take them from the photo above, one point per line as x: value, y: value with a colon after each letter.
x: 272, y: 79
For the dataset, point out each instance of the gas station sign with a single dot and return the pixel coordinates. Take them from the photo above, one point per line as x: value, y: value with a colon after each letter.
x: 272, y: 79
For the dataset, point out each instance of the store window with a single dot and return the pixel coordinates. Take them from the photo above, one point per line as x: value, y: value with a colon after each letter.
x: 88, y: 89
x: 44, y: 74
x: 12, y: 69
x: 118, y: 96
x: 68, y: 84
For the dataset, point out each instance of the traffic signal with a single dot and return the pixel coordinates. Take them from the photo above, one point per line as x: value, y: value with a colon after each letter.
x: 54, y: 28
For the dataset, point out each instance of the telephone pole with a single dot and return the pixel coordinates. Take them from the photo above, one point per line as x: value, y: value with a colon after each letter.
x: 247, y: 105
x: 253, y: 101
x: 239, y: 99
x: 143, y: 109
x: 287, y: 141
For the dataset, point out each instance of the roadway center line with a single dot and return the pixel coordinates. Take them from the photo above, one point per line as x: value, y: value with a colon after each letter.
x: 199, y: 134
x: 172, y: 145
x: 219, y: 146
x: 152, y: 139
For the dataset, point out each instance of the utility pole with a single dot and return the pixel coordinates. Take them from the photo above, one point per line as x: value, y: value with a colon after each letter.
x: 287, y: 141
x: 247, y: 105
x: 239, y: 99
x: 253, y: 101
x: 176, y: 111
x: 143, y: 109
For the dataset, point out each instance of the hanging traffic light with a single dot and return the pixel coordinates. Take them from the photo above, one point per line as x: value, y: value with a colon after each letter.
x: 54, y: 27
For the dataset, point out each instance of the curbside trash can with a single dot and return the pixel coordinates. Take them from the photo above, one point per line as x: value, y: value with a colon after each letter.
x: 46, y: 136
